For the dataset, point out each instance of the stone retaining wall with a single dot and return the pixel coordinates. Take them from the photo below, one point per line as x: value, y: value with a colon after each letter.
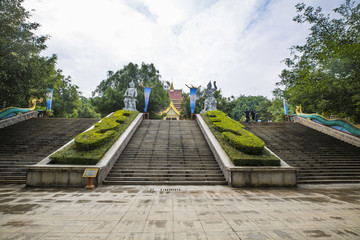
x: 345, y: 137
x: 237, y: 176
x: 18, y: 118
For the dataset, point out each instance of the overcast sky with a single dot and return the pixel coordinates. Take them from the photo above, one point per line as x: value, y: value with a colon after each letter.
x: 237, y: 43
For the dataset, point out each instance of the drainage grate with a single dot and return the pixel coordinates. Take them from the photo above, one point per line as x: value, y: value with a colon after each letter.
x: 165, y: 190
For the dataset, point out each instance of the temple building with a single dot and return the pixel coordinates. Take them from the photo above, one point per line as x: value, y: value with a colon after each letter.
x: 173, y: 111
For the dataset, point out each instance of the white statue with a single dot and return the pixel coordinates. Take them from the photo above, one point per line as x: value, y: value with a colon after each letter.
x: 130, y: 97
x: 210, y: 101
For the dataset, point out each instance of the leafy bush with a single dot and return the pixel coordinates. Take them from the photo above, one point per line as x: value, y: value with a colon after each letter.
x: 105, y: 125
x: 215, y: 119
x: 123, y: 112
x: 89, y: 147
x: 223, y: 123
x: 247, y: 142
x: 234, y: 133
x: 92, y: 139
x: 239, y: 157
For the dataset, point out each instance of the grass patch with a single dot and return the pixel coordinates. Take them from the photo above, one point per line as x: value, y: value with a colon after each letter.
x: 265, y: 158
x: 75, y: 156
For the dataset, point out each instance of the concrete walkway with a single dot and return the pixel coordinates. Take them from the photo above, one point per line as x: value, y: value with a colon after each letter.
x: 180, y: 212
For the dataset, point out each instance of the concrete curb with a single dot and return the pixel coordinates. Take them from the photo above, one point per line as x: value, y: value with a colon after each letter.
x: 44, y: 174
x: 282, y: 176
x: 345, y: 137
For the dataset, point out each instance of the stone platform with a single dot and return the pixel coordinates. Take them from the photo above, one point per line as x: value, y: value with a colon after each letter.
x: 180, y: 212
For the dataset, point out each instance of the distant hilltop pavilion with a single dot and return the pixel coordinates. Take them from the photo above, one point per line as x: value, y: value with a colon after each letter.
x: 173, y: 111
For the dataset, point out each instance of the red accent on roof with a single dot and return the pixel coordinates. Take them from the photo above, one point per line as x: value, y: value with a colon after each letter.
x: 175, y: 94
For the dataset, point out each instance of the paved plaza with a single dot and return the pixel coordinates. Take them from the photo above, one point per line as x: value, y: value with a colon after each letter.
x: 180, y: 212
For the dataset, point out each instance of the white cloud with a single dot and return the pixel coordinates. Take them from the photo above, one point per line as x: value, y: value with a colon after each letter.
x: 239, y: 44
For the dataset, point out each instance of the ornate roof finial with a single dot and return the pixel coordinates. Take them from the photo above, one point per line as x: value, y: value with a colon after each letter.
x: 172, y: 85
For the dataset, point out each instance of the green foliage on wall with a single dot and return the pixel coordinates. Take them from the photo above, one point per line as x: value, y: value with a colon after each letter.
x: 234, y: 133
x: 89, y: 147
x: 238, y: 147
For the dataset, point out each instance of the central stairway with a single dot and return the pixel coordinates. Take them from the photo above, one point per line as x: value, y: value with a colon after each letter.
x: 166, y: 153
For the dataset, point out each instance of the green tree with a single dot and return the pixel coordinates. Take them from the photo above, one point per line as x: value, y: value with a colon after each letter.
x: 185, y: 109
x: 323, y: 74
x: 66, y: 97
x: 85, y: 110
x: 277, y: 110
x: 109, y: 94
x: 22, y: 70
x: 225, y: 104
x: 244, y: 103
x: 263, y: 110
x: 24, y: 74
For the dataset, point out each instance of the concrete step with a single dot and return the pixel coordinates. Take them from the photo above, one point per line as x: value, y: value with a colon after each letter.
x: 168, y: 171
x: 165, y: 182
x: 28, y: 142
x: 171, y: 175
x: 147, y: 168
x: 327, y: 181
x: 163, y: 152
x: 13, y: 177
x: 319, y: 157
x: 168, y: 178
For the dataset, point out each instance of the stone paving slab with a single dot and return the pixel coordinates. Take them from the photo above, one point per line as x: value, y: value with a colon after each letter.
x: 181, y: 212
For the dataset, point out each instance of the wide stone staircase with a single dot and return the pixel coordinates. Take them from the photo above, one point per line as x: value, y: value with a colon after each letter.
x: 319, y: 157
x: 29, y: 142
x: 166, y: 153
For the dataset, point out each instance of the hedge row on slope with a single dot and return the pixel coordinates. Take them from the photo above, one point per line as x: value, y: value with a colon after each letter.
x: 89, y: 147
x: 242, y: 147
x: 235, y: 134
x: 103, y: 131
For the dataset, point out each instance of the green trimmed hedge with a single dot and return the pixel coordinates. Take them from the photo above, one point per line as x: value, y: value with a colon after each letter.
x: 247, y: 142
x: 253, y: 154
x: 89, y: 147
x: 106, y: 124
x: 92, y: 139
x: 234, y: 133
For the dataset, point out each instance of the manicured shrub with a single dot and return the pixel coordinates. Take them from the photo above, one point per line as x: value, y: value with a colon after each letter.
x: 246, y: 142
x: 106, y: 124
x: 102, y: 132
x: 223, y: 123
x: 215, y: 119
x: 125, y: 112
x: 118, y: 118
x: 90, y: 147
x: 214, y: 113
x: 92, y: 139
x: 239, y: 158
x: 234, y: 133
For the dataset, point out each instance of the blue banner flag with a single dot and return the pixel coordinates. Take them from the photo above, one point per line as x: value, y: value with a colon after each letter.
x: 286, y: 108
x: 147, y: 91
x: 49, y: 95
x: 192, y: 99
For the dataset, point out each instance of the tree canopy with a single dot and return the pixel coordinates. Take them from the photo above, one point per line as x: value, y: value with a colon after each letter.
x: 324, y: 74
x: 24, y: 74
x: 109, y: 94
